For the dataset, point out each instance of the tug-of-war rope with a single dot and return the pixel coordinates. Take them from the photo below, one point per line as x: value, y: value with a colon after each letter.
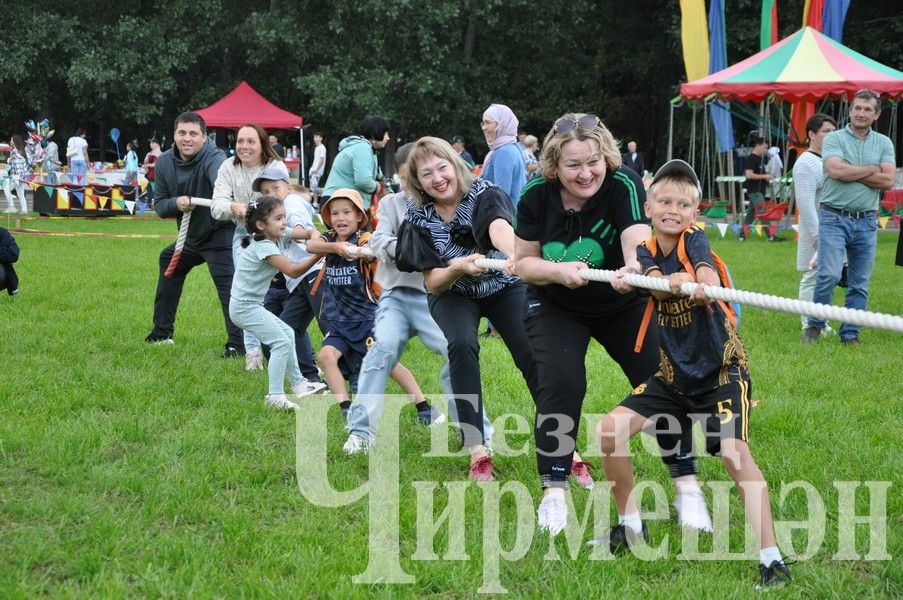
x: 183, y: 234
x: 793, y: 306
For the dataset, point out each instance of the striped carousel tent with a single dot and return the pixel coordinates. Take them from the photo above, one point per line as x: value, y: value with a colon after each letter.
x: 806, y: 66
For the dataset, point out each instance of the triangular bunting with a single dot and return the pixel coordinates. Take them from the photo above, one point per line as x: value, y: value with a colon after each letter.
x: 759, y: 229
x: 35, y: 185
x: 88, y: 200
x: 49, y: 189
x: 736, y: 229
x: 117, y: 205
x: 772, y: 230
x: 795, y: 227
x: 62, y: 199
x: 883, y: 222
x: 722, y: 228
x: 117, y: 194
x: 130, y: 205
x: 700, y: 224
x: 897, y: 220
x: 746, y: 229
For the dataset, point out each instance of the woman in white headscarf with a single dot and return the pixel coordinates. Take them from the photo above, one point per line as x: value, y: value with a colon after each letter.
x: 504, y: 166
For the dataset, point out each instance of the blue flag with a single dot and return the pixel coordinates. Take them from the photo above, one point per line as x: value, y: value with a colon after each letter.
x: 833, y: 17
x: 721, y: 116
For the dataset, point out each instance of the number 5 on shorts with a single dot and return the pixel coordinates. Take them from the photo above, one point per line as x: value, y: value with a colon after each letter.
x: 726, y: 411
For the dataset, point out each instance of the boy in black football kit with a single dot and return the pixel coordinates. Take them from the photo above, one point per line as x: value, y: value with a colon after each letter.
x: 703, y: 373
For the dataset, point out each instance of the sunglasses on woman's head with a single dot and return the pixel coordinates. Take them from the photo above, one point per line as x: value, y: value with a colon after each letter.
x: 568, y: 124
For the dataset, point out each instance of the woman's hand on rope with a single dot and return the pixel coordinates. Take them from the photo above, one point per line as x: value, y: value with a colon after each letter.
x: 618, y: 283
x: 510, y: 267
x: 569, y: 274
x: 239, y: 210
x: 466, y: 266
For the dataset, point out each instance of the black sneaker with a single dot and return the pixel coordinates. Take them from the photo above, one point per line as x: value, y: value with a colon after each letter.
x: 853, y: 341
x: 776, y: 575
x: 622, y: 537
x: 428, y: 414
x: 811, y: 334
x: 777, y: 239
x: 160, y: 340
x: 231, y: 352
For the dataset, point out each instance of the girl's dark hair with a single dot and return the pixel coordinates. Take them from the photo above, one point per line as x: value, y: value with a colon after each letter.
x: 258, y: 210
x: 373, y: 128
x: 18, y: 143
x: 266, y: 151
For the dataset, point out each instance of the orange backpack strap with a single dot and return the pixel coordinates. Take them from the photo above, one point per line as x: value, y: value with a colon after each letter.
x: 652, y: 246
x: 313, y: 288
x: 719, y: 267
x: 368, y: 268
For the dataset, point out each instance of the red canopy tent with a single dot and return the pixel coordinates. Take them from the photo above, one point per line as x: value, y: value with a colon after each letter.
x: 243, y: 105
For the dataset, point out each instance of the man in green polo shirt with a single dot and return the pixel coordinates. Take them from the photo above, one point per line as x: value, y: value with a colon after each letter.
x: 858, y: 163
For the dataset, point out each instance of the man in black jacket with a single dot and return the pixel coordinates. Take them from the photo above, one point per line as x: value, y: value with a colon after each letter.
x: 9, y: 253
x: 188, y: 169
x: 633, y: 159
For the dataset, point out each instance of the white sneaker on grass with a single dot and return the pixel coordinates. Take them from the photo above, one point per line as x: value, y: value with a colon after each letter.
x: 356, y: 444
x: 692, y: 511
x: 306, y: 388
x: 552, y: 514
x: 254, y: 360
x: 279, y: 401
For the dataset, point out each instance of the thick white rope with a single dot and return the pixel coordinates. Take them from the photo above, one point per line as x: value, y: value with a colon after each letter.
x: 360, y: 251
x: 183, y: 235
x: 793, y: 306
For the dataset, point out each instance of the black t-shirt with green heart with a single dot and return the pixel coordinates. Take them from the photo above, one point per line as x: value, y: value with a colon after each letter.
x: 591, y: 235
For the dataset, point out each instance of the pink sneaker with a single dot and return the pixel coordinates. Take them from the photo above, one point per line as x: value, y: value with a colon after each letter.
x: 481, y: 470
x: 580, y: 473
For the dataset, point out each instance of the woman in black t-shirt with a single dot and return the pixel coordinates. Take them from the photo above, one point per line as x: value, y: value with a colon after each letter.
x: 456, y: 219
x: 585, y: 211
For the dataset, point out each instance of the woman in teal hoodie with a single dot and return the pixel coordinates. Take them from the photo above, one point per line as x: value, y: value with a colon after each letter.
x: 355, y: 166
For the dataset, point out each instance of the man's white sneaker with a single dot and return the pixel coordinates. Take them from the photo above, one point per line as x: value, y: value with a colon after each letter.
x: 306, y: 388
x: 552, y: 514
x: 254, y: 360
x: 692, y: 511
x: 356, y: 444
x: 279, y: 401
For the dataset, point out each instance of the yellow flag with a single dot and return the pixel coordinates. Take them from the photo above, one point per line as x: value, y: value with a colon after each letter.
x: 62, y: 199
x: 883, y: 222
x: 759, y: 229
x: 694, y: 35
x: 700, y: 224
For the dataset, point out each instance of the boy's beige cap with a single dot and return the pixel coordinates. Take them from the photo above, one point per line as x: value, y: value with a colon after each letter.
x: 347, y: 194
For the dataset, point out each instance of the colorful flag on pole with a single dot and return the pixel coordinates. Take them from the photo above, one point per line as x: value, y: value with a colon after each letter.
x: 833, y: 17
x: 694, y: 38
x: 721, y: 116
x: 768, y: 32
x: 812, y: 13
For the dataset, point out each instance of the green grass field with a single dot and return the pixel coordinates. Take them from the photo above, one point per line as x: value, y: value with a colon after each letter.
x: 131, y: 470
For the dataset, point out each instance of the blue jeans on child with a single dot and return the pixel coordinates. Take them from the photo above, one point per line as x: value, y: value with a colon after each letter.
x: 275, y: 334
x: 857, y: 237
x: 402, y: 313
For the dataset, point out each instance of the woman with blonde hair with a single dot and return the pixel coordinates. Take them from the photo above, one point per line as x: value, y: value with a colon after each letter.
x: 457, y: 218
x: 586, y: 212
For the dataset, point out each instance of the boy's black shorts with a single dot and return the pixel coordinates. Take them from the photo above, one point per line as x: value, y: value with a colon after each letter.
x: 353, y: 340
x: 724, y: 411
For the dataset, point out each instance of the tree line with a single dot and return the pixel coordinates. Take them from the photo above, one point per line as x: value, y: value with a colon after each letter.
x: 430, y: 67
